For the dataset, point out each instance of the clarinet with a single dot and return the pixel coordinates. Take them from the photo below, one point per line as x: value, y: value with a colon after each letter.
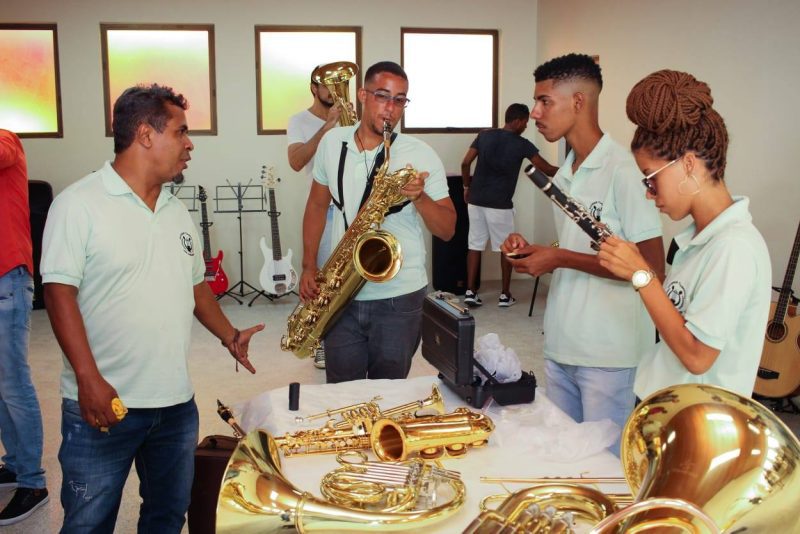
x: 597, y: 231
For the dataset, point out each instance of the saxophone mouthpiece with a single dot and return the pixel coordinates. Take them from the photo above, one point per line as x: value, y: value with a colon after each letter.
x: 387, y: 129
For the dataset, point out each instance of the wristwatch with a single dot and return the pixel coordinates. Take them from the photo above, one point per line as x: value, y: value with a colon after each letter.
x: 641, y: 278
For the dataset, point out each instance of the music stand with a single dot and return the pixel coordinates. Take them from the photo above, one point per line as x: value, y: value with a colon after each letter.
x: 240, y: 193
x: 185, y: 193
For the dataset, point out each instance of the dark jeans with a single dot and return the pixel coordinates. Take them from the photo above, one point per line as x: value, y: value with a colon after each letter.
x: 95, y: 466
x: 375, y: 338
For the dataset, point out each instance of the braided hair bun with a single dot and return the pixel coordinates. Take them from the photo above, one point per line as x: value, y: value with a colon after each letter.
x: 673, y: 113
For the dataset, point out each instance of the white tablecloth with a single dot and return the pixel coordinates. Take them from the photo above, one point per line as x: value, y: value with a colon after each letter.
x: 530, y: 440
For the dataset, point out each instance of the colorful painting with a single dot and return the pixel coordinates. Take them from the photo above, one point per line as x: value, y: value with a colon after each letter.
x: 181, y: 57
x: 30, y: 101
x: 285, y: 58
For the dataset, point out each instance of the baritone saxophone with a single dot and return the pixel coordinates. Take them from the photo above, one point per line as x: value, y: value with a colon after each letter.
x: 365, y: 253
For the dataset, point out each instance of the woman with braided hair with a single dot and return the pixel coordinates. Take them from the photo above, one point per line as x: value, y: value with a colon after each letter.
x: 711, y: 312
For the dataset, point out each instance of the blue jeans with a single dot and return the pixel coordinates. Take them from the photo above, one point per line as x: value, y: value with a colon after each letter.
x: 20, y: 418
x: 95, y: 465
x: 375, y: 338
x: 592, y: 393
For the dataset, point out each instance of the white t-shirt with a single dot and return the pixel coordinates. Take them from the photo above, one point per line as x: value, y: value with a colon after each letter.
x: 592, y: 321
x: 135, y: 270
x: 720, y: 281
x: 404, y: 225
x: 302, y: 127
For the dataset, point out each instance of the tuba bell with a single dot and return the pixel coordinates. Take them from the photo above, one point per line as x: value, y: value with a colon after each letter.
x: 698, y: 458
x: 256, y: 497
x: 336, y: 77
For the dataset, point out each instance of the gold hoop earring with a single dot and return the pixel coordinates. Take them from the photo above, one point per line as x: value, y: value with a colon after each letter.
x: 683, y: 187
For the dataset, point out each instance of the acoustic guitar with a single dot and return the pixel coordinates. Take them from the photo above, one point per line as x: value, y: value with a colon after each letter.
x: 215, y: 276
x: 277, y: 277
x: 779, y: 371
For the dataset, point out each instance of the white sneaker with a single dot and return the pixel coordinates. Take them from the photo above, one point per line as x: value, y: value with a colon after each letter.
x: 505, y: 301
x: 472, y: 299
x: 319, y: 358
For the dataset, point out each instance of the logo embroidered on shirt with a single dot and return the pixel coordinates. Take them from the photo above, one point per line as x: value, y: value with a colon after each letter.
x: 187, y: 243
x: 596, y: 209
x: 677, y: 294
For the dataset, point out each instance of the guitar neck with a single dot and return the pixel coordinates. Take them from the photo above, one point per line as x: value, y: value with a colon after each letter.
x: 204, y: 226
x: 786, y: 289
x: 273, y: 218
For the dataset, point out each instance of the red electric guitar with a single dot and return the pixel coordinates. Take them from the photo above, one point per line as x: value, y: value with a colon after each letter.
x: 779, y: 372
x: 215, y: 276
x: 277, y: 277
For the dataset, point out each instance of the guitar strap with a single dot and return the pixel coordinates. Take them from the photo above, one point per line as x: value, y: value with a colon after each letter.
x: 339, y: 203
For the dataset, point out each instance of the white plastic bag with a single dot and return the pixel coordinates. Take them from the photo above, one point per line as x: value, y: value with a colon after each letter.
x: 501, y: 362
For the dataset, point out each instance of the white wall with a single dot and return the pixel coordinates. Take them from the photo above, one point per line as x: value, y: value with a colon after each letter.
x: 747, y: 51
x: 237, y: 153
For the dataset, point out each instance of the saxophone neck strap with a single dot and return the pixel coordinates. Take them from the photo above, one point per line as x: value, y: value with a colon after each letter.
x: 339, y: 203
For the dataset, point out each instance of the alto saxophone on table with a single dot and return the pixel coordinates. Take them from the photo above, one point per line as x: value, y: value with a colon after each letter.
x: 365, y: 253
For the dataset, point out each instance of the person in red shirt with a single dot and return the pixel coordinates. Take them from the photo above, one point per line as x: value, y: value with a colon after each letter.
x: 20, y: 417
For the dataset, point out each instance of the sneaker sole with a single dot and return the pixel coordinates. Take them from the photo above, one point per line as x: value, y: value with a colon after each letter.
x: 505, y: 304
x: 472, y: 303
x: 26, y: 515
x: 8, y: 485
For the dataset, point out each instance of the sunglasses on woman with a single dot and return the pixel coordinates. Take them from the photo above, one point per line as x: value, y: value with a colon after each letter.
x: 649, y: 182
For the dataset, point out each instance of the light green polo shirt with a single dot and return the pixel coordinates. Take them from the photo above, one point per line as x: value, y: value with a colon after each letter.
x: 135, y: 271
x: 720, y: 281
x: 405, y: 225
x: 592, y: 321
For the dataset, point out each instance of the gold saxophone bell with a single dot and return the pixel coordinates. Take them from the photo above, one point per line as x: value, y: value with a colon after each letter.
x: 703, y: 459
x: 352, y: 431
x: 432, y: 436
x: 255, y: 497
x: 336, y: 77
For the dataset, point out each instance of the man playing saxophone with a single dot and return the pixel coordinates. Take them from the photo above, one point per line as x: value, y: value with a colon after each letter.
x: 378, y: 332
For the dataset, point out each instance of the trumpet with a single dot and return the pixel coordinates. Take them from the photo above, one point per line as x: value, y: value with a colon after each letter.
x: 355, y: 413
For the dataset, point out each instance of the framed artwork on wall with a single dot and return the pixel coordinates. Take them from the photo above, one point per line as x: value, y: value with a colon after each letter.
x: 180, y: 56
x: 30, y: 89
x: 285, y: 58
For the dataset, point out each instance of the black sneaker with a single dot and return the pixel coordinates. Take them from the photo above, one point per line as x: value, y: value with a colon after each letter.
x: 472, y: 299
x: 23, y: 504
x: 8, y: 480
x: 506, y: 301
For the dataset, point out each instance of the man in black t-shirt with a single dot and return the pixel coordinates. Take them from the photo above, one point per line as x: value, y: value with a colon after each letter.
x: 489, y: 193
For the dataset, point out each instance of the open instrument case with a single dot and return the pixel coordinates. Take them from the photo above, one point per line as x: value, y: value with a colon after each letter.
x: 448, y: 338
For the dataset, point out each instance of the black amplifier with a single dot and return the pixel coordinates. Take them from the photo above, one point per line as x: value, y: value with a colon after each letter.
x: 448, y: 338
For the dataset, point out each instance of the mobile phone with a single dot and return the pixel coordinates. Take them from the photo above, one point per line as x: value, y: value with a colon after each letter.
x: 517, y: 255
